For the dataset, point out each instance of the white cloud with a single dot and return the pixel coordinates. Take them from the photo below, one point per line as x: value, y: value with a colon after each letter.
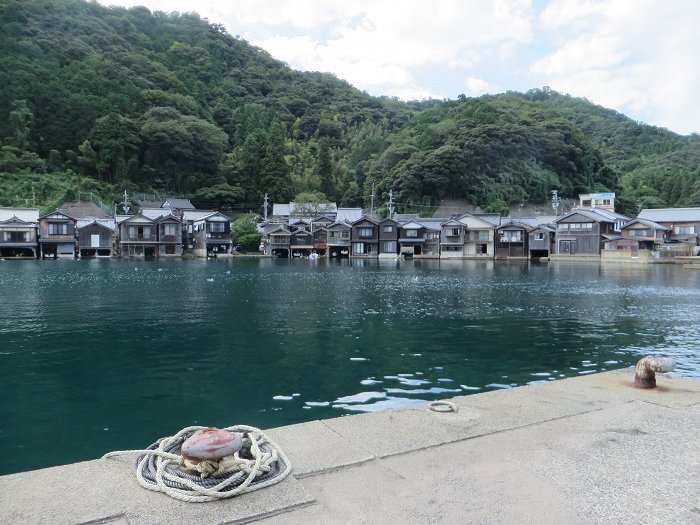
x: 379, y: 45
x: 478, y: 86
x: 640, y: 58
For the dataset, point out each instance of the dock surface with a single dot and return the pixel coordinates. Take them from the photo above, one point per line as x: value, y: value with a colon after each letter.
x: 585, y: 450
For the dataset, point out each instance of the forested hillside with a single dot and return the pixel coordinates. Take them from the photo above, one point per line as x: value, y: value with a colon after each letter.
x: 109, y: 99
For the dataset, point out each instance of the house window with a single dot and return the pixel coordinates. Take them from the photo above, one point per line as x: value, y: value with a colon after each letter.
x: 388, y: 229
x: 365, y: 232
x: 539, y: 236
x: 411, y: 233
x: 58, y: 229
x: 217, y: 227
x: 641, y: 233
x: 169, y: 229
x: 358, y: 248
x: 478, y: 235
x: 511, y: 236
x: 680, y: 230
x: 389, y: 246
x: 452, y: 232
x: 132, y: 232
x: 576, y: 227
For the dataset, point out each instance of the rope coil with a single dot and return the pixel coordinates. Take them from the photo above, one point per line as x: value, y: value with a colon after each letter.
x: 259, y: 464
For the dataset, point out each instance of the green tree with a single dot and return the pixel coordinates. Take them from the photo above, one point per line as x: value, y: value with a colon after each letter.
x: 115, y: 139
x: 323, y: 169
x: 274, y: 171
x: 21, y: 118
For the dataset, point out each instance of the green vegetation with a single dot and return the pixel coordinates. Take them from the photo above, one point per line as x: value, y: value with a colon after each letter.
x: 108, y: 99
x: 244, y: 231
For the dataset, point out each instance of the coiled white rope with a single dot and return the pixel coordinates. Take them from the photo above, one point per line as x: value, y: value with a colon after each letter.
x: 158, y: 467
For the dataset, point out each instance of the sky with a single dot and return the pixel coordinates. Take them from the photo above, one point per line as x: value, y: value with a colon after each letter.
x: 639, y: 57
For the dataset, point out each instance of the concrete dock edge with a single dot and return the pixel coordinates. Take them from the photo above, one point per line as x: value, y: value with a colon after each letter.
x: 586, y: 450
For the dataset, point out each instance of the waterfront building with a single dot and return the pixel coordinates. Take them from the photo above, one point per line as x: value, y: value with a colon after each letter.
x: 57, y: 235
x: 513, y: 240
x: 18, y: 232
x: 211, y: 235
x: 279, y: 243
x: 478, y: 236
x: 683, y: 227
x: 96, y: 237
x: 583, y: 232
x: 339, y: 239
x: 388, y: 238
x: 138, y: 236
x: 452, y: 239
x: 412, y: 239
x: 601, y: 201
x: 364, y: 238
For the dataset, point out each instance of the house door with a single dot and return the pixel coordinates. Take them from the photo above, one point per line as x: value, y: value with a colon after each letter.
x: 95, y: 241
x: 565, y: 247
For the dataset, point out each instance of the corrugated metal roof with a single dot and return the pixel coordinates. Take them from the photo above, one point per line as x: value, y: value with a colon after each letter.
x: 195, y: 215
x: 23, y: 214
x: 327, y: 207
x: 348, y: 215
x: 670, y: 215
x: 155, y: 213
x: 280, y: 210
x: 83, y: 210
x: 595, y: 214
x: 493, y: 218
x: 651, y: 224
x: 107, y: 223
x: 405, y: 217
x: 182, y: 204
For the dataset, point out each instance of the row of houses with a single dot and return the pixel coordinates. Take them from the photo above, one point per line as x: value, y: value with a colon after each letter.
x: 175, y: 228
x: 591, y: 230
x: 172, y: 229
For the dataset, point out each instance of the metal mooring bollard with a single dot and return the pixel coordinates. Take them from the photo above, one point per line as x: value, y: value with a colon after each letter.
x: 645, y: 375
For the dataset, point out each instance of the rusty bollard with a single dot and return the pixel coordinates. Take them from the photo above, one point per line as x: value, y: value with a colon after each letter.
x: 645, y: 375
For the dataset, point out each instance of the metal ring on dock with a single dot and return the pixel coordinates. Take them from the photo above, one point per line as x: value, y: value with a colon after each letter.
x: 444, y: 406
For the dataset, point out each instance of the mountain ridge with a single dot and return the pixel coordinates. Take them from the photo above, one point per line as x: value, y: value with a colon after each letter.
x: 170, y: 102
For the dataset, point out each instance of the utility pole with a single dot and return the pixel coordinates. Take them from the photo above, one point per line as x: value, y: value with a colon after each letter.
x: 265, y: 207
x: 555, y: 201
x: 391, y: 204
x: 126, y: 203
x: 371, y: 209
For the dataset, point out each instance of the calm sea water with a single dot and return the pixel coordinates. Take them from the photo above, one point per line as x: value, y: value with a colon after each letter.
x: 101, y: 355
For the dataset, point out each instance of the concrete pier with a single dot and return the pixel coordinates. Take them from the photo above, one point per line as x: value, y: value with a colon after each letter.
x: 587, y: 450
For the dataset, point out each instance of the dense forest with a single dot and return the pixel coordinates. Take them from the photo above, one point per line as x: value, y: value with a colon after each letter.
x: 100, y: 100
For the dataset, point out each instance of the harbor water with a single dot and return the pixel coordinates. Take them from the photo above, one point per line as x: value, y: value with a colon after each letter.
x: 101, y: 355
